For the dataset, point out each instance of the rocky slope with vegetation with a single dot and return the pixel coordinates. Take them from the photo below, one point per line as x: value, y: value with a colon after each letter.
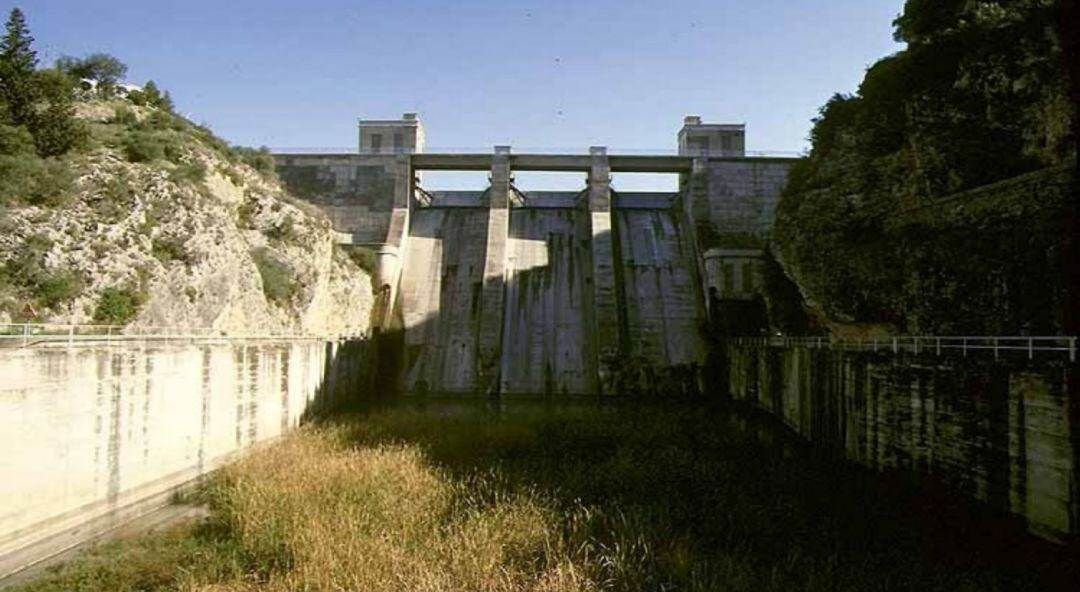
x: 880, y: 224
x: 119, y: 211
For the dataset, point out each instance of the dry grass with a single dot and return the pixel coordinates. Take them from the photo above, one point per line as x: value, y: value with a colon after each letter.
x: 551, y: 500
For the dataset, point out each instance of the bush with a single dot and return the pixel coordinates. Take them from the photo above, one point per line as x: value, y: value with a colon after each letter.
x: 142, y: 146
x: 245, y: 215
x: 123, y: 115
x: 26, y: 271
x: 277, y: 278
x: 15, y: 139
x: 259, y: 159
x: 191, y: 173
x: 231, y: 174
x: 156, y: 98
x: 54, y: 289
x: 117, y: 306
x: 27, y: 179
x: 285, y: 231
x: 363, y: 257
x: 170, y: 249
x: 162, y: 121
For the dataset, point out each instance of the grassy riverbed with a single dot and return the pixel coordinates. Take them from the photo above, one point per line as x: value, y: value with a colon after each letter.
x: 536, y: 498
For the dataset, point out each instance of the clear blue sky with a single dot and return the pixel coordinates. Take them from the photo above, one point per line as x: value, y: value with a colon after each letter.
x: 545, y: 73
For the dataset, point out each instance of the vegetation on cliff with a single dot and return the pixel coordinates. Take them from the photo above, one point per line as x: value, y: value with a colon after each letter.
x: 874, y: 224
x: 115, y: 209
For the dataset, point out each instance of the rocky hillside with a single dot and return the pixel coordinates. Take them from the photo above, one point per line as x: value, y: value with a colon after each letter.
x: 157, y: 222
x: 884, y: 222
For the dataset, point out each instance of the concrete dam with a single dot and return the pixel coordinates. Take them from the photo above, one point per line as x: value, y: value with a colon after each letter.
x: 547, y: 293
x: 551, y: 293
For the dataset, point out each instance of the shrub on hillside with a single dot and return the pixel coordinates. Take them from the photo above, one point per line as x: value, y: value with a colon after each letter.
x: 123, y: 115
x: 27, y: 179
x: 117, y: 306
x: 188, y: 173
x: 259, y: 159
x: 363, y: 257
x: 170, y: 249
x: 144, y: 147
x: 15, y: 140
x: 278, y: 283
x: 27, y: 273
x: 245, y: 215
x: 154, y: 97
x: 57, y: 288
x: 285, y: 231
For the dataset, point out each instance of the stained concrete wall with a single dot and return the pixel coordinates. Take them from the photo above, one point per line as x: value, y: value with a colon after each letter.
x: 355, y: 191
x: 661, y: 291
x: 441, y: 290
x: 740, y: 200
x: 548, y: 342
x: 547, y: 345
x: 96, y: 434
x: 1004, y: 433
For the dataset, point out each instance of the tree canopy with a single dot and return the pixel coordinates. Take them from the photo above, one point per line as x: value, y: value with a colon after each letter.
x: 96, y: 66
x: 977, y: 96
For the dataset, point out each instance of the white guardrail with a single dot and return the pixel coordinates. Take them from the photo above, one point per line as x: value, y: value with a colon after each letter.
x: 31, y: 334
x: 1020, y: 345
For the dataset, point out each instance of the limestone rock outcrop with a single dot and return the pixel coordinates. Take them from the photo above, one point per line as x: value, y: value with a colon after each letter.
x: 202, y: 241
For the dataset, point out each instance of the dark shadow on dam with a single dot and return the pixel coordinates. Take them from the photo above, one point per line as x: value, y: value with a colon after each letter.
x: 560, y: 331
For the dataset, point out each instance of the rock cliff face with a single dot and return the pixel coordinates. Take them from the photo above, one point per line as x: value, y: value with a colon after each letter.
x: 198, y: 240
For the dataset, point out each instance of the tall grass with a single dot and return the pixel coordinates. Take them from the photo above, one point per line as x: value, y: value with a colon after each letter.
x: 548, y: 500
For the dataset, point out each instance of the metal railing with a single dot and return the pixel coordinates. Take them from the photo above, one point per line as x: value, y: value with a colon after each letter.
x: 545, y: 150
x: 919, y: 344
x: 33, y: 334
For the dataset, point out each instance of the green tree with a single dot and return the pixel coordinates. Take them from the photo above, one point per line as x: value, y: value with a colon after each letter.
x: 96, y: 66
x: 976, y: 97
x: 156, y: 97
x: 18, y: 62
x: 55, y: 128
x: 102, y: 67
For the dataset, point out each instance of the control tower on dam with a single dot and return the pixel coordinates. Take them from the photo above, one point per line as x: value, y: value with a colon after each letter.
x: 584, y: 292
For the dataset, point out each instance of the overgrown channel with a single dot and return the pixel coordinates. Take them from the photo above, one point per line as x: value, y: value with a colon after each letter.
x: 538, y: 497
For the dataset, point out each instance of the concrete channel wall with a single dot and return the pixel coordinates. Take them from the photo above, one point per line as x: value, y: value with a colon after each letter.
x: 97, y: 434
x: 1003, y: 432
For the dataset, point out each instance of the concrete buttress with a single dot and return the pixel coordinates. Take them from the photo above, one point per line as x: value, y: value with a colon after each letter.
x: 605, y: 306
x: 492, y: 295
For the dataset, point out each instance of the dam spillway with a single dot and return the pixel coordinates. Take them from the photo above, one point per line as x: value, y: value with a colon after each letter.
x: 548, y: 345
x: 503, y: 291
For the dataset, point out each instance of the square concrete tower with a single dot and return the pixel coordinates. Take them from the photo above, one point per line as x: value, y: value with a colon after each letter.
x: 711, y: 139
x: 392, y: 136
